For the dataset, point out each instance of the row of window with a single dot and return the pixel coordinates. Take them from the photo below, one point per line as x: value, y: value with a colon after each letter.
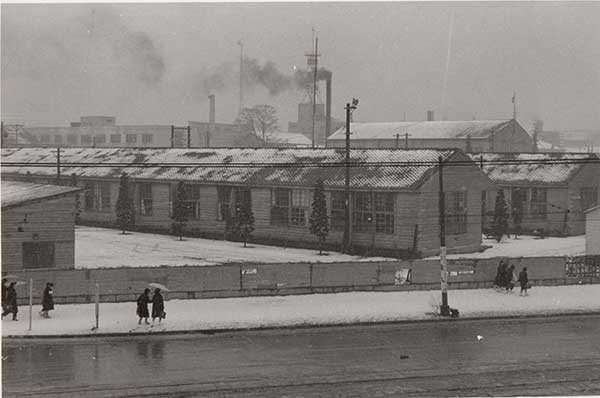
x: 533, y: 202
x: 372, y: 212
x: 97, y: 139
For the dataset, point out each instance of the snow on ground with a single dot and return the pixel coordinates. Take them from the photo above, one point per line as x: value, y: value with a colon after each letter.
x: 316, y: 309
x: 108, y: 248
x: 527, y: 246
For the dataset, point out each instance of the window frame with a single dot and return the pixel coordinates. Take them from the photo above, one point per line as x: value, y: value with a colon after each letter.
x: 456, y: 211
x: 538, y: 209
x: 338, y: 210
x: 145, y: 199
x: 39, y: 257
x: 279, y: 210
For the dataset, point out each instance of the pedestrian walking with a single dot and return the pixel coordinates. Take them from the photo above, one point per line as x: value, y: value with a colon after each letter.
x: 4, y: 288
x: 510, y: 278
x: 11, y: 302
x: 523, y: 281
x: 142, y: 306
x: 47, y: 300
x: 158, y: 306
x: 500, y: 275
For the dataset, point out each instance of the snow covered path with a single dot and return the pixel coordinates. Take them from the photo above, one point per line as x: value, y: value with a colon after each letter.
x: 317, y: 309
x: 108, y: 248
x: 528, y: 246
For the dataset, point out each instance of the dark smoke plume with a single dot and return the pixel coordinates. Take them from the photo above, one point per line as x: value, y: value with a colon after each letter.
x: 226, y: 77
x: 134, y: 49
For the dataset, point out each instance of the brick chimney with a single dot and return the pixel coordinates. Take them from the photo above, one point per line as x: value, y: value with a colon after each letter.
x: 211, y: 119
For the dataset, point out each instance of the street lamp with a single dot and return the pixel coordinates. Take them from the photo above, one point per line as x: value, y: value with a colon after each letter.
x: 350, y: 107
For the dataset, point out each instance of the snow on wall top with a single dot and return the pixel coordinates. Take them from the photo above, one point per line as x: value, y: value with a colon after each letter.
x: 16, y: 193
x: 537, y: 168
x: 421, y: 130
x: 384, y: 169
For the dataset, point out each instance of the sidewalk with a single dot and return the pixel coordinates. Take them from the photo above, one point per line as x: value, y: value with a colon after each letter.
x: 313, y: 310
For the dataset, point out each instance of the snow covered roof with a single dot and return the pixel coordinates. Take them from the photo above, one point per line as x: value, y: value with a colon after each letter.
x: 592, y: 209
x: 372, y: 168
x: 291, y: 139
x: 422, y: 130
x: 537, y: 168
x: 15, y: 193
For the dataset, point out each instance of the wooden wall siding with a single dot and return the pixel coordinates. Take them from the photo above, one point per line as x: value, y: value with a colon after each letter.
x: 410, y: 208
x: 511, y: 138
x: 456, y: 178
x: 52, y: 221
x: 592, y: 232
x: 588, y: 176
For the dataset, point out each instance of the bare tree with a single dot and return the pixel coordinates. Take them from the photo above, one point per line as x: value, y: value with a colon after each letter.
x: 260, y: 120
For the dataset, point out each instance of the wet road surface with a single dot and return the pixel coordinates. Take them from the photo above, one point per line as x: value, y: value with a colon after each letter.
x: 551, y: 356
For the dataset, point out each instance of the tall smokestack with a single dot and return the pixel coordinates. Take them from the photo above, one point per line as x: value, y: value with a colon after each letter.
x: 328, y: 107
x: 211, y: 118
x: 430, y: 117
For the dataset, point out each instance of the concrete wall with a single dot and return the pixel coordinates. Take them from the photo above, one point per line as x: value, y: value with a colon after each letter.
x: 125, y: 284
x: 46, y: 221
x: 592, y: 231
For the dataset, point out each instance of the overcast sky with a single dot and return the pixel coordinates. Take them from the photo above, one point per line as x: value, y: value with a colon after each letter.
x: 156, y: 63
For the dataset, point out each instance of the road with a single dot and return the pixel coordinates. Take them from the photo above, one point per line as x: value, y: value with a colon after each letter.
x: 544, y: 356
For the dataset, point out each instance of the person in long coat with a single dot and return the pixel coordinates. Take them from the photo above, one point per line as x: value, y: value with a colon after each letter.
x: 523, y: 281
x: 4, y: 281
x: 47, y: 300
x: 500, y: 274
x: 142, y: 306
x: 11, y: 302
x: 510, y: 278
x: 158, y: 306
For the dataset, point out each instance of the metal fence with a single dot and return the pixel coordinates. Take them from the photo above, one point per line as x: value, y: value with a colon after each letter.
x: 583, y: 266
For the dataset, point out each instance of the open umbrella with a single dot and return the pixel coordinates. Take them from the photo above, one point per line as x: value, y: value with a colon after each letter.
x: 11, y: 277
x: 21, y: 283
x: 157, y: 285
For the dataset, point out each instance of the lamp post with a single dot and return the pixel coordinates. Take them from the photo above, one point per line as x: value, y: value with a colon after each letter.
x: 346, y: 238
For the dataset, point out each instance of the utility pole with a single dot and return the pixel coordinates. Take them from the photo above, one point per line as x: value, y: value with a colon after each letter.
x: 406, y: 140
x: 314, y: 98
x: 241, y: 44
x: 189, y: 137
x: 444, y: 309
x: 346, y: 237
x: 397, y: 140
x: 172, y: 136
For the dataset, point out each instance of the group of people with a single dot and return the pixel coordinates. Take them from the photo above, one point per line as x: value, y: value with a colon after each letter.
x: 506, y: 278
x: 9, y: 299
x: 158, y: 306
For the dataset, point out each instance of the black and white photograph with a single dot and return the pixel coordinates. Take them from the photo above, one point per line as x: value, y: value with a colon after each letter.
x: 307, y: 199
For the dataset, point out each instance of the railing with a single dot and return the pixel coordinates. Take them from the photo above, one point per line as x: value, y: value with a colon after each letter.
x: 583, y: 266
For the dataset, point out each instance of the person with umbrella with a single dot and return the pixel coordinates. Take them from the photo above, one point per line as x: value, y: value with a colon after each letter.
x: 142, y: 306
x: 47, y: 300
x: 11, y: 302
x: 158, y: 306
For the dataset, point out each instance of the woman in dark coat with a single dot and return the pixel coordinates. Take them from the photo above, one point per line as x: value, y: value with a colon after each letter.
x: 47, y: 300
x: 510, y: 278
x: 11, y: 302
x: 524, y: 281
x: 4, y: 306
x: 500, y: 274
x: 158, y: 306
x: 142, y: 306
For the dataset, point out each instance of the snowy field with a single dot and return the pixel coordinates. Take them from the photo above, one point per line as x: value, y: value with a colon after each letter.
x: 108, y: 248
x: 528, y: 246
x: 317, y: 309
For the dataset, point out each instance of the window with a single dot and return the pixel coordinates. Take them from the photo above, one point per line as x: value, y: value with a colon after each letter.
x: 97, y: 196
x: 58, y: 139
x: 191, y: 201
x: 538, y: 203
x: 300, y: 206
x: 131, y: 138
x: 338, y: 210
x: 38, y: 254
x: 518, y: 196
x: 147, y: 138
x: 280, y: 205
x: 362, y: 215
x: 86, y: 139
x: 100, y: 139
x: 456, y: 212
x: 45, y: 138
x: 72, y: 139
x: 115, y: 138
x: 384, y: 213
x: 589, y: 197
x: 145, y: 199
x: 223, y: 203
